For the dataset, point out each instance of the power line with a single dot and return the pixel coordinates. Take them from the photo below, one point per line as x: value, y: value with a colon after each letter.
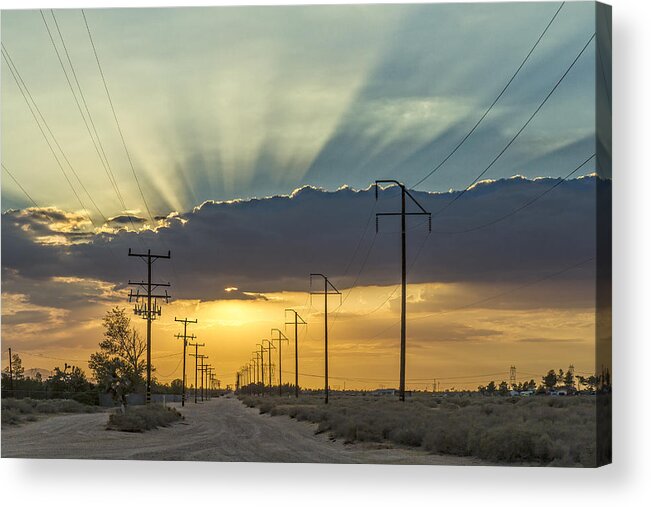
x: 499, y: 95
x: 525, y: 205
x: 167, y: 355
x: 509, y: 291
x: 33, y: 109
x: 517, y: 134
x: 124, y: 144
x: 115, y: 117
x: 97, y: 143
x: 20, y: 186
x: 173, y: 371
x: 492, y: 222
x: 484, y: 300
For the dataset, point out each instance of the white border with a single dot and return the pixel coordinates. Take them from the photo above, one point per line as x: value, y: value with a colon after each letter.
x: 626, y: 482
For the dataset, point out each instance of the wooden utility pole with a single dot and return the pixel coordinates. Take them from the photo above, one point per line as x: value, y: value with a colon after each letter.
x: 11, y: 374
x: 196, y: 367
x: 281, y: 338
x: 326, y: 292
x: 296, y: 323
x: 269, y: 347
x: 185, y: 337
x: 254, y: 360
x: 145, y: 309
x: 201, y: 368
x: 403, y: 243
x: 260, y: 355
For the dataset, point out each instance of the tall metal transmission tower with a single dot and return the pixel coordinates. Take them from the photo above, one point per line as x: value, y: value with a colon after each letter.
x: 403, y: 213
x: 185, y: 337
x: 143, y: 303
x: 512, y: 376
x: 326, y: 292
x: 296, y: 323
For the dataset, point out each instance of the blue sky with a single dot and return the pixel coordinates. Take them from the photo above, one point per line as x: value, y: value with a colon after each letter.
x: 223, y: 103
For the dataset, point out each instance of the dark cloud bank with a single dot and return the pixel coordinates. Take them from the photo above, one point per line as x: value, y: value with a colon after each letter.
x: 272, y: 244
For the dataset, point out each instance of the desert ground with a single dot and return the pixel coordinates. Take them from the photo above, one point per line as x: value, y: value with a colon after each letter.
x: 221, y: 429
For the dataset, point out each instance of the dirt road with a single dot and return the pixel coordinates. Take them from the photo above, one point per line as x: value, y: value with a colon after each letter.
x: 221, y: 429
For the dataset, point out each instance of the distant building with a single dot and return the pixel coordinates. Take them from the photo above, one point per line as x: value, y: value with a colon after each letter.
x: 384, y: 392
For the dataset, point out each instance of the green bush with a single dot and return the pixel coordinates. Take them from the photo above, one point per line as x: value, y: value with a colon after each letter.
x: 139, y: 419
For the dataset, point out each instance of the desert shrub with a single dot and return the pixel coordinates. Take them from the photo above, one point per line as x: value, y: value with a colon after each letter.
x: 63, y: 406
x: 411, y: 436
x: 546, y: 430
x: 557, y: 402
x: 139, y: 419
x: 24, y: 406
x: 10, y: 416
x: 265, y: 407
x: 513, y: 444
x: 447, y: 439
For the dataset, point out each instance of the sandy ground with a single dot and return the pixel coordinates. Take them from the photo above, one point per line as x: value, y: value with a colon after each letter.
x: 221, y: 429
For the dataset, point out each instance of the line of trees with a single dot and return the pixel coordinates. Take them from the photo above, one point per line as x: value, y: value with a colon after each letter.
x: 117, y: 368
x: 552, y: 380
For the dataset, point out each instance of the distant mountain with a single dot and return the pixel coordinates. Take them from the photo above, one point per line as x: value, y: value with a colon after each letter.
x: 31, y: 372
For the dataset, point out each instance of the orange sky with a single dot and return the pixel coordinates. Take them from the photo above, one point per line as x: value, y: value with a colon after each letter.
x: 458, y: 347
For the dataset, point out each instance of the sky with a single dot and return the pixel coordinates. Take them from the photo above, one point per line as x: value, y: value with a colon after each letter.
x: 255, y: 135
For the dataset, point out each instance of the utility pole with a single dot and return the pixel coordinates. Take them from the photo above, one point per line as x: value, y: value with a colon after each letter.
x: 269, y: 347
x: 209, y: 370
x: 327, y: 285
x: 296, y: 323
x: 202, y: 357
x: 403, y: 237
x: 11, y: 374
x: 196, y: 367
x: 185, y: 337
x: 145, y: 308
x: 281, y: 338
x: 261, y: 363
x: 254, y: 360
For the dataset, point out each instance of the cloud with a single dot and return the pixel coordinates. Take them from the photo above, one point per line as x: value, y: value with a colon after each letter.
x: 273, y: 244
x: 128, y: 219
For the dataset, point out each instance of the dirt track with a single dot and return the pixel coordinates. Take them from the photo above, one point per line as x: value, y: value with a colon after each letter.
x: 221, y: 429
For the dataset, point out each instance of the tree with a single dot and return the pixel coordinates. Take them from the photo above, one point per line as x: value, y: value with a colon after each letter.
x: 491, y: 388
x: 176, y: 386
x: 568, y: 379
x: 503, y: 388
x: 591, y: 383
x: 119, y: 366
x: 63, y: 381
x: 550, y: 380
x: 17, y: 369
